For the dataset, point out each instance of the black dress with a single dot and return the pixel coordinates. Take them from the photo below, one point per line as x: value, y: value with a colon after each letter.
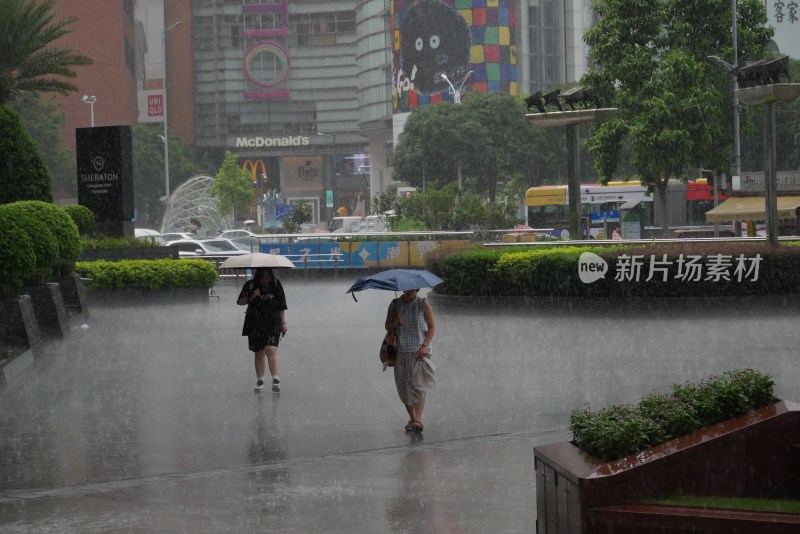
x: 262, y: 320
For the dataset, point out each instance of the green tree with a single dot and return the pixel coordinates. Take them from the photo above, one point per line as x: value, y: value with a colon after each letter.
x: 28, y: 61
x: 302, y: 214
x: 650, y: 59
x: 149, y: 184
x: 23, y: 173
x: 44, y: 122
x: 232, y: 187
x: 384, y: 204
x: 433, y: 207
x: 487, y: 136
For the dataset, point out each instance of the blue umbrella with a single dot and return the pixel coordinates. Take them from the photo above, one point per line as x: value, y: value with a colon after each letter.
x: 396, y: 280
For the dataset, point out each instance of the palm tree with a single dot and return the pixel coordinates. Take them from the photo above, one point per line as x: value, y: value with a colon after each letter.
x: 27, y: 62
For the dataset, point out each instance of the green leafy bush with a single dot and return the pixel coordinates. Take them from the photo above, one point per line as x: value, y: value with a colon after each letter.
x: 618, y: 431
x: 107, y: 242
x: 83, y: 218
x: 23, y: 173
x: 60, y: 224
x: 549, y: 270
x: 17, y: 257
x: 148, y: 274
x: 45, y: 245
x: 468, y: 272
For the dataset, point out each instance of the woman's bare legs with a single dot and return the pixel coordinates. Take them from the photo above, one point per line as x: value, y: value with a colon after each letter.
x: 260, y: 361
x: 273, y: 360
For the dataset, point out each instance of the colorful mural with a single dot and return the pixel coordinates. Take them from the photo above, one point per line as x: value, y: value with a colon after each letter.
x: 471, y: 42
x: 330, y: 255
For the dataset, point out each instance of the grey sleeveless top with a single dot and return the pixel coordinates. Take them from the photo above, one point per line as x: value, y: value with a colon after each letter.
x: 411, y: 333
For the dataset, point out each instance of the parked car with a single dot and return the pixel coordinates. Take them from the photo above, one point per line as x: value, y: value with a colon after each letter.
x: 248, y: 244
x: 174, y: 236
x: 146, y: 234
x: 230, y: 234
x: 189, y: 248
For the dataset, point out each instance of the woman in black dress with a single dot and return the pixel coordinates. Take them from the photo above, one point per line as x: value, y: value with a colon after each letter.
x: 264, y: 323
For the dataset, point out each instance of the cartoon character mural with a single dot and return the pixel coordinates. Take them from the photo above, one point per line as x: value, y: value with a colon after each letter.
x: 472, y: 42
x: 434, y: 40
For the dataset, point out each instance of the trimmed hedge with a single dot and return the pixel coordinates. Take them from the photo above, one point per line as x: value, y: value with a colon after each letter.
x: 24, y: 174
x: 45, y: 244
x: 550, y: 271
x: 621, y: 430
x: 108, y: 242
x: 17, y: 257
x: 83, y: 218
x: 59, y: 223
x: 148, y: 274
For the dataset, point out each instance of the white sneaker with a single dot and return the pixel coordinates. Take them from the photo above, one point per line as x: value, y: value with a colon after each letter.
x: 276, y: 385
x: 259, y: 385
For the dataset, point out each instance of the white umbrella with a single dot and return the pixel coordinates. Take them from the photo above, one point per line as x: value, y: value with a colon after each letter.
x: 249, y: 221
x: 257, y: 259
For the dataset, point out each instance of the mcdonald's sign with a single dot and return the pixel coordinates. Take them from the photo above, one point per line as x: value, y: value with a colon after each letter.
x: 253, y: 167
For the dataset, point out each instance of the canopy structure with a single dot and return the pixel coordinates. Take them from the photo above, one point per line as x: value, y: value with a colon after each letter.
x: 752, y: 209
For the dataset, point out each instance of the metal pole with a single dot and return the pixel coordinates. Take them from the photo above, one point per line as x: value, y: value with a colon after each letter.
x: 770, y: 182
x: 737, y: 151
x: 573, y: 181
x: 91, y: 111
x: 166, y: 98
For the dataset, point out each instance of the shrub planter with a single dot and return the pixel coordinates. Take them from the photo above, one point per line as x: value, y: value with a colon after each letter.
x: 132, y: 253
x: 48, y: 306
x: 19, y: 336
x: 755, y: 455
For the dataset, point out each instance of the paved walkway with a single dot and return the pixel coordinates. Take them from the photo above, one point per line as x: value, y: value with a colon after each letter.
x: 146, y: 421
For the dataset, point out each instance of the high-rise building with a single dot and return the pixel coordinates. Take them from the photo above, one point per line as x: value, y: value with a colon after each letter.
x: 104, y: 31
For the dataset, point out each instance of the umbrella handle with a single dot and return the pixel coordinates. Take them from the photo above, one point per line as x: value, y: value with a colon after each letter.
x: 354, y: 296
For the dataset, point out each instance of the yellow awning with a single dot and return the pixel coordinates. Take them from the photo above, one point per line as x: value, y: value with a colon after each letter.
x: 751, y: 209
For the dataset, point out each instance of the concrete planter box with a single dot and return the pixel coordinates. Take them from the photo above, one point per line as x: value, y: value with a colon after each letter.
x: 76, y: 303
x: 755, y: 455
x: 48, y: 306
x: 19, y: 332
x: 132, y: 295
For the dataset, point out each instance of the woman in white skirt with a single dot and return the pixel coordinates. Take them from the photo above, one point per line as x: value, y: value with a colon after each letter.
x: 410, y: 318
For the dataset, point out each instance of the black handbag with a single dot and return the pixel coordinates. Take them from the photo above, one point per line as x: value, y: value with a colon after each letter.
x: 388, y: 352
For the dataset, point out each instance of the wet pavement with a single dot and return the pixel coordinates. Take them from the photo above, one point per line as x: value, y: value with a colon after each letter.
x: 146, y: 420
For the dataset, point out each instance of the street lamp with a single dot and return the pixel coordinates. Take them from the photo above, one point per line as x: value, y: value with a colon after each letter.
x: 166, y: 168
x: 457, y: 100
x: 166, y: 133
x: 737, y: 151
x: 328, y: 178
x: 87, y: 99
x: 457, y: 94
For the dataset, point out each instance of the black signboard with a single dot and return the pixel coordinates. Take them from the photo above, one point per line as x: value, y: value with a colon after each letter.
x: 105, y: 177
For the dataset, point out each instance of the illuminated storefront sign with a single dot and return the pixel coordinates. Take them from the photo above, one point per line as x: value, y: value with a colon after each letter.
x: 252, y: 168
x: 270, y: 142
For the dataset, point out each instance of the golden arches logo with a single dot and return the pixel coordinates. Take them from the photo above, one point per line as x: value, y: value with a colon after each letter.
x: 253, y: 167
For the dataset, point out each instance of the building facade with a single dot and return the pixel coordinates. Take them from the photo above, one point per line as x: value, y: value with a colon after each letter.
x: 311, y: 94
x: 104, y: 31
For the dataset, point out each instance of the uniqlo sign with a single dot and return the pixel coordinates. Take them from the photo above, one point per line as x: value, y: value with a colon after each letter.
x: 155, y: 105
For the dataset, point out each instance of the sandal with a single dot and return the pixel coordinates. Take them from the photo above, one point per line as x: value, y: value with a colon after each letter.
x: 409, y: 426
x: 417, y: 426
